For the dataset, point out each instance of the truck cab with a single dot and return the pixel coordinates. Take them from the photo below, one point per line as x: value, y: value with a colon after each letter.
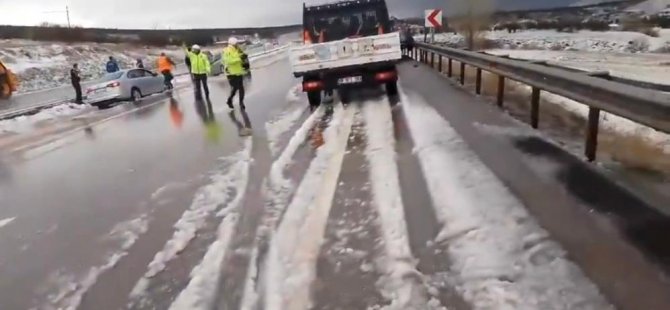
x: 346, y: 45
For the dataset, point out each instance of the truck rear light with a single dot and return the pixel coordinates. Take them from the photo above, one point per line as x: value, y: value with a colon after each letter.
x: 307, y: 38
x: 386, y: 76
x: 312, y: 86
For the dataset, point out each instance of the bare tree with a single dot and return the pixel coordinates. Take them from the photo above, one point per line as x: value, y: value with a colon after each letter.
x: 471, y: 18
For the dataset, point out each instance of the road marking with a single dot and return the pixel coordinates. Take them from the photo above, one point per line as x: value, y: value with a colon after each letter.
x: 295, y: 248
x: 209, y: 198
x: 402, y: 278
x: 501, y: 258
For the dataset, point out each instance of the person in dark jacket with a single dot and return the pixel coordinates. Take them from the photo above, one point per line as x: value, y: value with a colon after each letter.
x: 75, y: 78
x: 139, y: 63
x: 112, y: 65
x: 187, y: 60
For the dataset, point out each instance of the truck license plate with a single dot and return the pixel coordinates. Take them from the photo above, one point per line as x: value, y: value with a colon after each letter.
x: 350, y: 80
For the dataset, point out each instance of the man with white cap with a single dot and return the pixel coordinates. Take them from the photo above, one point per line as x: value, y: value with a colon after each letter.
x: 200, y: 68
x: 236, y: 68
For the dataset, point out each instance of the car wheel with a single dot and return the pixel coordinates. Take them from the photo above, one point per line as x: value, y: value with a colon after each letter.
x: 135, y: 95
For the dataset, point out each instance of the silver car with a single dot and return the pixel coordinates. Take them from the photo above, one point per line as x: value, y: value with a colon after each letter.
x: 131, y: 84
x: 216, y: 63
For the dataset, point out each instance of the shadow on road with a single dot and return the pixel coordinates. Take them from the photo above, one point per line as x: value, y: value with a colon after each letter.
x: 644, y: 225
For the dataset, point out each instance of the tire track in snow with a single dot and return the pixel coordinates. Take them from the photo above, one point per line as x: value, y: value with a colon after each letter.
x: 295, y: 247
x: 208, y: 199
x: 277, y: 192
x: 281, y: 125
x: 501, y: 258
x: 200, y: 293
x: 403, y: 282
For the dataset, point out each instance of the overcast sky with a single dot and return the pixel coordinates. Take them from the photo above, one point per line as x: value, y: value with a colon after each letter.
x: 193, y: 13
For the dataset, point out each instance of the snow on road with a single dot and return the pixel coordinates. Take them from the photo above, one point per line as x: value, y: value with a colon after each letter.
x: 295, y: 247
x: 69, y: 289
x: 210, y: 198
x: 200, y: 293
x: 7, y: 221
x: 501, y: 259
x: 400, y: 265
x: 25, y: 123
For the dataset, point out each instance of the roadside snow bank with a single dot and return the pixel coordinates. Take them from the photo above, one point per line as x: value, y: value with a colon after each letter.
x: 24, y: 123
x: 501, y: 258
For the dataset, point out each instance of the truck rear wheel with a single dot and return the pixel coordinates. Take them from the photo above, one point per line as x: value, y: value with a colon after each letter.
x: 392, y: 89
x: 314, y: 98
x: 345, y: 95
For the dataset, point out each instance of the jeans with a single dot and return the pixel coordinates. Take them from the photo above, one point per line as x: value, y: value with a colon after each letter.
x: 201, y: 79
x: 237, y: 84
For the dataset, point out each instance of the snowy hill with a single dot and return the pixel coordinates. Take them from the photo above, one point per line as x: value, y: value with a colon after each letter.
x: 652, y: 6
x: 41, y: 65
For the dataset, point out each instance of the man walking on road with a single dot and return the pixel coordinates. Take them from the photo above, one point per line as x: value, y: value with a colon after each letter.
x: 76, y: 83
x: 200, y: 68
x: 233, y: 58
x: 112, y: 65
x: 165, y: 65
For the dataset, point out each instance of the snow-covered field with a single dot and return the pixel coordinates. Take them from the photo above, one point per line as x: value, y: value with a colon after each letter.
x: 590, y: 41
x: 648, y: 67
x: 42, y: 65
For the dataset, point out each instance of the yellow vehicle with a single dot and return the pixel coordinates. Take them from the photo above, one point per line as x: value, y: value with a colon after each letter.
x: 9, y: 83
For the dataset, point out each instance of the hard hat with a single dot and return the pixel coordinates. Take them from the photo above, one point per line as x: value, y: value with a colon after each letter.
x: 232, y: 41
x: 196, y: 47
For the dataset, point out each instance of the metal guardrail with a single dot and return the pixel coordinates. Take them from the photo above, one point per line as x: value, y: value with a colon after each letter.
x: 647, y: 107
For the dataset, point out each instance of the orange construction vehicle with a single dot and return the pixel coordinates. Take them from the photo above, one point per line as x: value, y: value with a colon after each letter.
x: 9, y: 83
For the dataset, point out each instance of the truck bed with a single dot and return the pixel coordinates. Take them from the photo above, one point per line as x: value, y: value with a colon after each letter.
x: 345, y: 53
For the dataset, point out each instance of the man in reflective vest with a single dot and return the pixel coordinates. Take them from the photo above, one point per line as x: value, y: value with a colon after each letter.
x: 233, y: 58
x: 200, y: 68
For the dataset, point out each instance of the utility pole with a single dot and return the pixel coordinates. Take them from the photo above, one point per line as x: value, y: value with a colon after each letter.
x: 67, y: 12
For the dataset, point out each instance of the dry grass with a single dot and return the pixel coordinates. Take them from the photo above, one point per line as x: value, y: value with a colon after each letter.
x: 568, y: 127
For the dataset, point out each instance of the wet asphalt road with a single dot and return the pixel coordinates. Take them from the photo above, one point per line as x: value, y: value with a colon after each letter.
x: 91, y: 209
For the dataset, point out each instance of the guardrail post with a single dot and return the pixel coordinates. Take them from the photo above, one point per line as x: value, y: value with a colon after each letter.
x: 478, y: 87
x: 432, y: 59
x: 450, y: 68
x: 535, y: 108
x: 462, y: 73
x: 592, y: 134
x: 439, y: 63
x: 501, y: 90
